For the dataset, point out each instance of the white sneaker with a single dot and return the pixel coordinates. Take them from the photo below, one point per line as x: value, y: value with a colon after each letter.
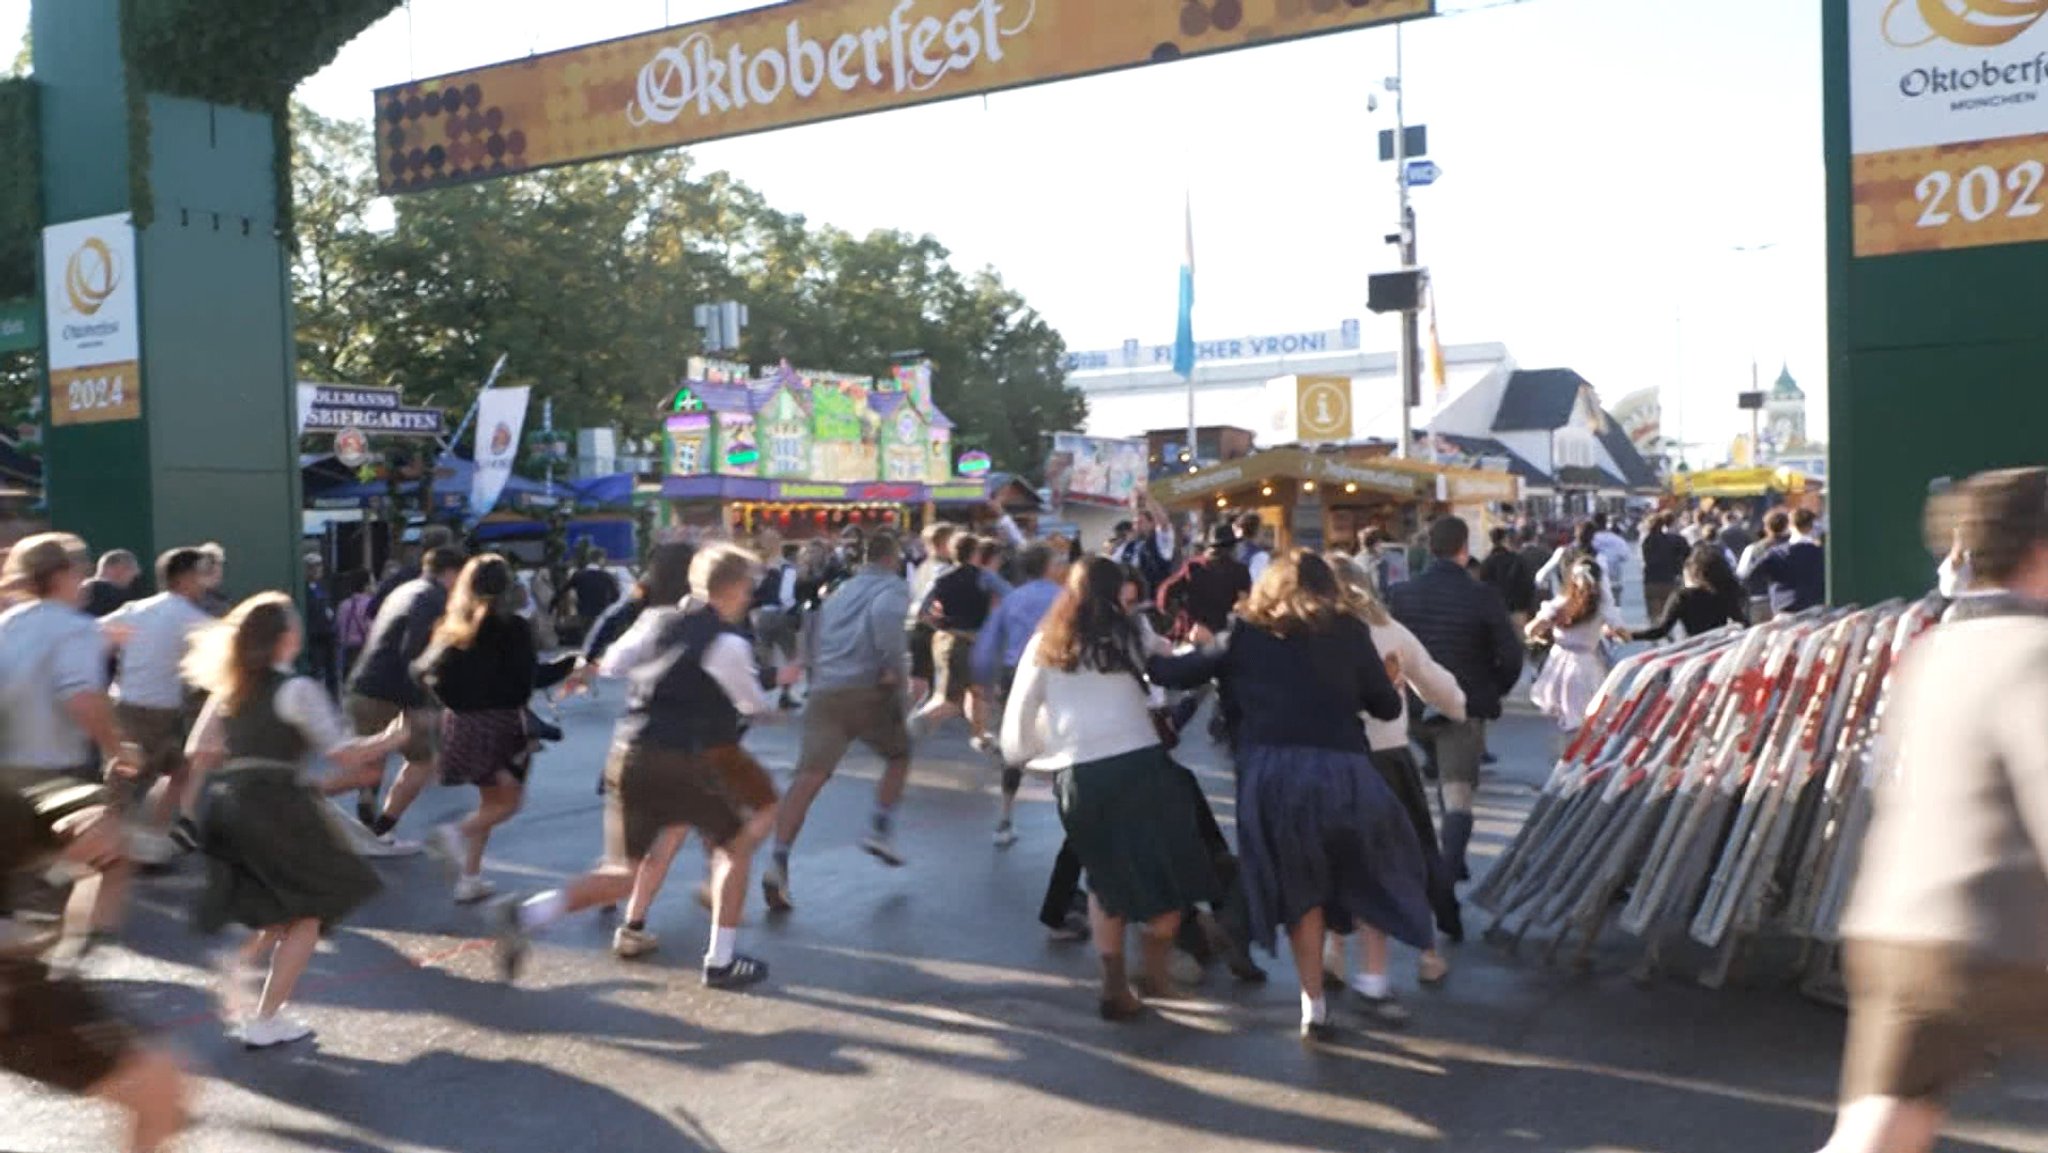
x: 277, y: 1029
x: 630, y: 943
x: 1006, y: 835
x: 984, y: 744
x: 881, y: 845
x: 369, y: 844
x: 471, y: 889
x: 447, y: 844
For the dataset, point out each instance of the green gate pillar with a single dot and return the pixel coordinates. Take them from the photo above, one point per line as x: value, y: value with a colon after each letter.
x: 1936, y: 366
x: 213, y: 456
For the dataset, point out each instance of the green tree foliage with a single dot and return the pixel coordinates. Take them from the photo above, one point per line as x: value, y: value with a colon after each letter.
x: 588, y: 276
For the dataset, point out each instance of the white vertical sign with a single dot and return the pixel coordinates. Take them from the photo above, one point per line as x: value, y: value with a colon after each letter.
x: 500, y: 415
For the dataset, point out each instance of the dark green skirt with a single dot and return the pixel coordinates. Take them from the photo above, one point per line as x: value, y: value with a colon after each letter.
x: 273, y: 853
x: 1132, y: 822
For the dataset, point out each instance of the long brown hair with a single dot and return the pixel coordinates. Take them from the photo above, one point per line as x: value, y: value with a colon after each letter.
x: 229, y: 659
x: 1297, y: 594
x: 1087, y: 628
x: 1582, y: 594
x: 479, y: 591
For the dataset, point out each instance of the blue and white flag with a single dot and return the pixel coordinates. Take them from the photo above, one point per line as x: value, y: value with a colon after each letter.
x: 1184, y: 335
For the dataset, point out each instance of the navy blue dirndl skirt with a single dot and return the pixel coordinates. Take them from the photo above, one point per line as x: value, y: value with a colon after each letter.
x: 1319, y: 829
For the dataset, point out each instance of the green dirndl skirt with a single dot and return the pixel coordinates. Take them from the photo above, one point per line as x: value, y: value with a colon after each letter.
x: 273, y: 853
x: 1131, y: 820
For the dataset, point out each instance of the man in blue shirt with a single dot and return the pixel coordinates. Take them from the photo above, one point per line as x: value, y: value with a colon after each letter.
x: 1796, y: 571
x: 1000, y: 645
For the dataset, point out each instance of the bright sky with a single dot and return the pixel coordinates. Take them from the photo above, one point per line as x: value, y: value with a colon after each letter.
x: 1604, y: 162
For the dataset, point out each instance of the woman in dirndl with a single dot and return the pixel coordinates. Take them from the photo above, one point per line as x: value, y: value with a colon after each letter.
x: 482, y: 667
x: 1324, y: 844
x: 1079, y: 707
x: 276, y: 862
x: 1575, y: 624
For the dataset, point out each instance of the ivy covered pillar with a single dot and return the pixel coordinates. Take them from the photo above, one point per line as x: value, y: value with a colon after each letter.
x: 212, y: 453
x: 173, y: 111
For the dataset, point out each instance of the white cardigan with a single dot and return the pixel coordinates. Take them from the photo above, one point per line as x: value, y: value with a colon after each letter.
x: 1430, y: 680
x: 1056, y: 719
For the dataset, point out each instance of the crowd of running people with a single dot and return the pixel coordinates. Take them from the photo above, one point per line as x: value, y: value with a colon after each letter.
x: 1085, y: 669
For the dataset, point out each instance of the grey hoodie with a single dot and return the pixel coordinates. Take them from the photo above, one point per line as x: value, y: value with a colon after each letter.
x: 856, y: 638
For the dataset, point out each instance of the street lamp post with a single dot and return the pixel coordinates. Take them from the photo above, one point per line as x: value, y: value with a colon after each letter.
x: 1410, y: 368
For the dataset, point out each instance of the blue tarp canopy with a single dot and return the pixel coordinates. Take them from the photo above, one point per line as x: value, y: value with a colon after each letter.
x: 611, y: 491
x: 614, y: 536
x: 451, y: 488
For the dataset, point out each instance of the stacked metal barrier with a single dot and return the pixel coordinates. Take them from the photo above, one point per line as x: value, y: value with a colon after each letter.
x: 1718, y: 791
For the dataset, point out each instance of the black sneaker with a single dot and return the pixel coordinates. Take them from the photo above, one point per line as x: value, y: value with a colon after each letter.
x: 1319, y: 1032
x: 1385, y: 1012
x: 743, y: 971
x: 775, y: 889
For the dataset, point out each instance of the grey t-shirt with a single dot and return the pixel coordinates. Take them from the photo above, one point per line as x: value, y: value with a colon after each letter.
x: 48, y: 653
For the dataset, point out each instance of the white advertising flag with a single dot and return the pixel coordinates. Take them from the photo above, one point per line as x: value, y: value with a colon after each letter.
x: 500, y: 414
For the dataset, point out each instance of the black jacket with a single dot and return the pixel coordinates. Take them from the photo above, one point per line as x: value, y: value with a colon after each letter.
x: 1302, y: 691
x: 399, y: 635
x: 1464, y: 626
x: 498, y: 671
x: 1511, y: 577
x: 1664, y: 556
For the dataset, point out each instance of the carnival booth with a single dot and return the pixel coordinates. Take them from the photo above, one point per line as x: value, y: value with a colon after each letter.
x: 1321, y: 500
x: 807, y: 454
x: 1752, y: 489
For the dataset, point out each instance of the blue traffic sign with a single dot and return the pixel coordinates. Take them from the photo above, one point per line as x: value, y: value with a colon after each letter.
x: 1423, y: 173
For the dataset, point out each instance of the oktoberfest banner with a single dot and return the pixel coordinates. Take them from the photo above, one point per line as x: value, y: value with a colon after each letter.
x: 500, y: 414
x: 798, y: 63
x: 1948, y: 125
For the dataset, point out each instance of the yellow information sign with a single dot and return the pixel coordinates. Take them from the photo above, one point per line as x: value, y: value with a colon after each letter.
x: 1948, y: 123
x: 802, y: 62
x: 1323, y: 407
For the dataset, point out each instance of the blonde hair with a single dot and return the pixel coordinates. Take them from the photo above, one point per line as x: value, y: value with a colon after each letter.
x: 1298, y: 594
x: 228, y: 659
x: 721, y: 566
x: 1361, y: 598
x: 478, y: 591
x: 35, y: 562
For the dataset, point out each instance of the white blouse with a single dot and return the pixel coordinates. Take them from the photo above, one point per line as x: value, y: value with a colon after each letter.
x: 1430, y: 680
x: 300, y: 703
x: 1056, y: 719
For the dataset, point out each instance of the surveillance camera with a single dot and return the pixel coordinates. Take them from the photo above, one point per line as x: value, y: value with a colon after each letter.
x: 1372, y: 102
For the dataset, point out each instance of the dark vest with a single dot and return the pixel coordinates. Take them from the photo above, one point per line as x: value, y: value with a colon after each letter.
x: 256, y: 732
x: 963, y: 603
x: 673, y: 702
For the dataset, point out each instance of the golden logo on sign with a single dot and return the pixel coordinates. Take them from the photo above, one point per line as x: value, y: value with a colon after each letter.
x: 1967, y: 23
x: 1324, y: 407
x: 90, y: 276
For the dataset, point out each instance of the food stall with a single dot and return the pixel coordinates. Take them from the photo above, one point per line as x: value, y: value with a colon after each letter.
x: 808, y: 453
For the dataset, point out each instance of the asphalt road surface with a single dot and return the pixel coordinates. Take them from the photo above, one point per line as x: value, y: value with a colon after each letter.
x: 922, y: 1010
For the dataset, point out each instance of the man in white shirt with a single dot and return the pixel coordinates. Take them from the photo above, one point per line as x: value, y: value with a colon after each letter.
x: 1614, y: 551
x: 150, y: 694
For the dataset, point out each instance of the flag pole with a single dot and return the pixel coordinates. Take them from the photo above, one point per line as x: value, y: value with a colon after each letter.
x: 1184, y: 334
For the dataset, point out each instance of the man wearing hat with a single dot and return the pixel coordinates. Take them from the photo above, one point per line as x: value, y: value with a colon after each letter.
x: 1199, y: 599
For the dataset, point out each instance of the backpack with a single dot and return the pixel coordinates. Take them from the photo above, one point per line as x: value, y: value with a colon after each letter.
x: 352, y: 623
